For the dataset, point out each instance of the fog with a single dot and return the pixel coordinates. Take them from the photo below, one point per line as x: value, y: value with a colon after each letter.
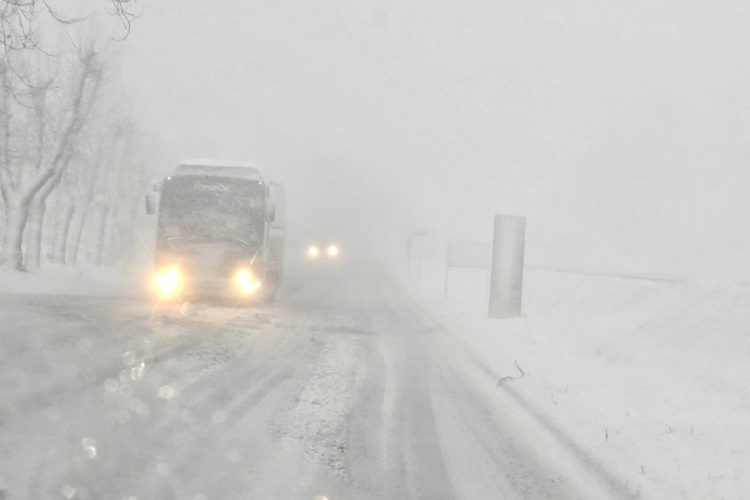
x: 619, y: 130
x: 178, y: 363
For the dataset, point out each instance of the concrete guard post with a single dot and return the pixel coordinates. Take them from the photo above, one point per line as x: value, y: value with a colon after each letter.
x: 506, y: 278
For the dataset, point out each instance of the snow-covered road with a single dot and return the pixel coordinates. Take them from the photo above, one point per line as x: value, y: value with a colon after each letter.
x: 343, y: 388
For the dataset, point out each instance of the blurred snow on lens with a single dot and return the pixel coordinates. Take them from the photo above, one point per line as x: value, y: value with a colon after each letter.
x: 68, y: 491
x: 163, y: 469
x: 137, y: 371
x: 89, y: 447
x: 166, y: 392
x: 111, y: 385
x: 128, y: 358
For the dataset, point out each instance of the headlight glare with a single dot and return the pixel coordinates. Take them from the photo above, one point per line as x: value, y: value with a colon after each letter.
x: 168, y: 281
x: 244, y: 277
x: 247, y: 281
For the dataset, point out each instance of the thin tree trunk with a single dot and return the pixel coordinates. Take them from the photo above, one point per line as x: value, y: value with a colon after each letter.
x: 35, y: 224
x: 88, y: 200
x: 127, y: 240
x: 33, y: 235
x: 75, y: 242
x: 16, y: 216
x: 36, y: 220
x: 100, y: 229
x: 65, y: 211
x: 111, y: 237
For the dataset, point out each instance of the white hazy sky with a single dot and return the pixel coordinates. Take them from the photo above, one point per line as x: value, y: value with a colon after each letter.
x: 620, y: 129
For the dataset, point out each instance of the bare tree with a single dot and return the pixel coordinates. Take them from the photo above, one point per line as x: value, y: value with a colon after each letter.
x: 38, y: 173
x: 47, y: 95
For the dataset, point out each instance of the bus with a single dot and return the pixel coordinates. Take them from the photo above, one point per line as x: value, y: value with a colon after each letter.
x: 219, y: 231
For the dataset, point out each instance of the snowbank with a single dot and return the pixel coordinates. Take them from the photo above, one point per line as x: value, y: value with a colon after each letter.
x: 649, y: 377
x: 61, y: 280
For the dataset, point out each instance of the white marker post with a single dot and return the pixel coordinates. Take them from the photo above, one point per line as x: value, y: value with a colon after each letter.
x: 506, y: 279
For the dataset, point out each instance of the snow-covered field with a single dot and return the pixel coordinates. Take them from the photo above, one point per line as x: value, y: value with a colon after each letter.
x: 650, y: 377
x: 64, y: 280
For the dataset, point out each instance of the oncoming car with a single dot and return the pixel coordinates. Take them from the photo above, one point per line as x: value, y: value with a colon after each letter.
x: 323, y: 252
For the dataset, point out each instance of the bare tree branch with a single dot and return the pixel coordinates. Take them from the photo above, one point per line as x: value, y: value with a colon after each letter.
x: 17, y: 19
x: 126, y: 17
x: 60, y: 18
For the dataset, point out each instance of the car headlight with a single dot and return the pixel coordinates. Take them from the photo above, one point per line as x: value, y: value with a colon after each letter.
x: 333, y: 251
x: 313, y: 252
x: 168, y: 281
x: 246, y: 281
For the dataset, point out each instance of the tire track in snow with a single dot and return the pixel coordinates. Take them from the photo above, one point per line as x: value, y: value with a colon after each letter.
x: 371, y: 425
x: 208, y: 357
x: 213, y: 408
x: 394, y: 450
x: 420, y: 447
x: 263, y: 418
